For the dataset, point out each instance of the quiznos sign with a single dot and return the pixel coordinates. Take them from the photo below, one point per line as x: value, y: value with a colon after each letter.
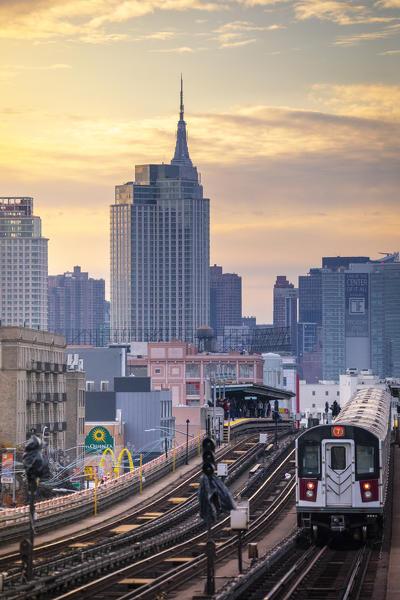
x: 98, y: 439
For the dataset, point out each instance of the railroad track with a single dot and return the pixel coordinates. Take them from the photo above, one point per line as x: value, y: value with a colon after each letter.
x: 314, y: 574
x: 126, y: 540
x: 143, y: 514
x: 169, y: 568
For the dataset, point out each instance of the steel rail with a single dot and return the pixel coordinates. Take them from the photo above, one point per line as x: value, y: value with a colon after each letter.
x: 238, y: 464
x: 178, y: 574
x: 132, y: 514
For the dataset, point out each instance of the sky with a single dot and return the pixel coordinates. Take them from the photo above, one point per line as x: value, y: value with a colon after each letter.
x: 292, y: 109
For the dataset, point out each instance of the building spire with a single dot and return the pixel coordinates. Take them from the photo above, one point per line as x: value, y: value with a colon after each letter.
x: 181, y: 108
x: 181, y: 156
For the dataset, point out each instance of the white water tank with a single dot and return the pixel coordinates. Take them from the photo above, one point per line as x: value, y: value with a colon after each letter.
x: 272, y: 370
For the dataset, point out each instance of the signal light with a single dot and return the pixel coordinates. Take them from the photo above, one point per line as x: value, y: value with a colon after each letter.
x: 208, y: 456
x: 366, y: 486
x: 310, y: 485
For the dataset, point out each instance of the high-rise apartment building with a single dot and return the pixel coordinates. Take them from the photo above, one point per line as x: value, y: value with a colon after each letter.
x: 160, y: 251
x: 225, y: 299
x: 23, y: 262
x: 285, y: 307
x: 285, y: 302
x: 361, y: 319
x: 77, y: 307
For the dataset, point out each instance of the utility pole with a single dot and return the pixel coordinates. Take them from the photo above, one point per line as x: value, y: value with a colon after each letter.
x: 187, y: 441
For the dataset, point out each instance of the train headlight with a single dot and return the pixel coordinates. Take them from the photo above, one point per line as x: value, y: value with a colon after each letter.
x: 367, y: 486
x: 310, y: 485
x: 367, y: 494
x: 309, y: 493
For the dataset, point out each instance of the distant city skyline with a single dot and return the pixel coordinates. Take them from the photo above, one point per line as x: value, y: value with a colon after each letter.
x: 294, y: 121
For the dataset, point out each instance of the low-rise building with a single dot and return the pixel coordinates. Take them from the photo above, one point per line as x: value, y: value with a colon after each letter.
x: 179, y: 367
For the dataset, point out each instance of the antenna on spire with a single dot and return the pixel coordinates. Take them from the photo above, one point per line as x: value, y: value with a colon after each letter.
x: 181, y: 107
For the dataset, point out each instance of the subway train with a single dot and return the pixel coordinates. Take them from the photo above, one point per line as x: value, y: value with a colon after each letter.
x: 342, y: 469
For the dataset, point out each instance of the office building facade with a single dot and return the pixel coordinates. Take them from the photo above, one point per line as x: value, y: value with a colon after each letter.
x: 23, y: 265
x: 285, y: 308
x: 361, y: 320
x: 225, y: 299
x: 76, y: 307
x: 160, y: 251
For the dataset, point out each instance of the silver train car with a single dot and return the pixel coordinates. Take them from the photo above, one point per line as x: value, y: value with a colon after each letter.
x: 342, y: 469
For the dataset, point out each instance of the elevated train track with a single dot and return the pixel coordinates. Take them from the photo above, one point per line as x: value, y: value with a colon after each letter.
x: 138, y: 534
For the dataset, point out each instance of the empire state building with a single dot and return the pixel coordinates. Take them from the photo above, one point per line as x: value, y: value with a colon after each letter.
x: 160, y: 245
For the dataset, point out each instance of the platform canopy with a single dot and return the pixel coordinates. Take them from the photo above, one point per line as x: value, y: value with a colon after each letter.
x: 394, y: 387
x: 259, y: 391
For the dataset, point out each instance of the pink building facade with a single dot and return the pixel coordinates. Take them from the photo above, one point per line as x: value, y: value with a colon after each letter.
x: 179, y: 367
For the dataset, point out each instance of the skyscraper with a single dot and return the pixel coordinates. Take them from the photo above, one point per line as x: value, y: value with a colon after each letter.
x: 285, y: 307
x: 361, y: 319
x: 77, y: 307
x: 23, y: 262
x: 160, y: 242
x: 225, y: 299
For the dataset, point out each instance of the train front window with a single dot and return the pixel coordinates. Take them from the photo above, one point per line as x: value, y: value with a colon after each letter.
x: 311, y: 463
x: 338, y: 458
x: 365, y: 460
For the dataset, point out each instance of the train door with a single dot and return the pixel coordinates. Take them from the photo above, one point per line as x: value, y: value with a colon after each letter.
x: 339, y: 467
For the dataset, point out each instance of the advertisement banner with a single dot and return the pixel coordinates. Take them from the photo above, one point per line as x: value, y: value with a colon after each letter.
x: 98, y: 439
x: 357, y: 305
x: 7, y: 468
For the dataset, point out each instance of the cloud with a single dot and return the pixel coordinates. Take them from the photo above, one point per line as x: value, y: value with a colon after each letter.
x: 234, y: 33
x: 374, y: 101
x: 238, y: 43
x: 354, y: 39
x: 159, y: 35
x: 342, y: 13
x: 84, y: 20
x: 388, y: 3
x: 389, y: 52
x: 179, y: 50
x: 54, y: 67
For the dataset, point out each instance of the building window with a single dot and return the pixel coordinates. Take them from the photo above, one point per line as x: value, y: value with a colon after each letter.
x: 192, y: 388
x: 157, y: 371
x: 192, y: 370
x: 104, y: 386
x: 90, y: 386
x: 326, y: 393
x: 313, y: 393
x: 246, y: 371
x: 228, y: 371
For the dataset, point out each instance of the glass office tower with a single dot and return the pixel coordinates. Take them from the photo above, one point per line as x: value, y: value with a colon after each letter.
x: 361, y: 319
x: 23, y: 265
x: 160, y: 242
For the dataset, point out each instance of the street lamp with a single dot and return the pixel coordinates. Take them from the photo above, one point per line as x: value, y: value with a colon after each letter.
x: 188, y: 435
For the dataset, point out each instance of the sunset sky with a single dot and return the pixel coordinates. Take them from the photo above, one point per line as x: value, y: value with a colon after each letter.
x: 293, y: 114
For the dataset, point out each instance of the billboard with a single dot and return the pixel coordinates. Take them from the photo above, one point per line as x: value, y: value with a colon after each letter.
x: 98, y: 439
x: 7, y: 468
x: 356, y: 293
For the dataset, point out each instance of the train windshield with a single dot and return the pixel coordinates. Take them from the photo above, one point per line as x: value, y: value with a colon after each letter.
x: 311, y: 463
x: 365, y: 459
x: 338, y: 458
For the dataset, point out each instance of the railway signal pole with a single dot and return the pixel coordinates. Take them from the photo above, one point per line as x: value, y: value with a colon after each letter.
x: 35, y: 468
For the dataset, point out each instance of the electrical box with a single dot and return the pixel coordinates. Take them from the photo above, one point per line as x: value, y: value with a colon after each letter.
x: 222, y: 469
